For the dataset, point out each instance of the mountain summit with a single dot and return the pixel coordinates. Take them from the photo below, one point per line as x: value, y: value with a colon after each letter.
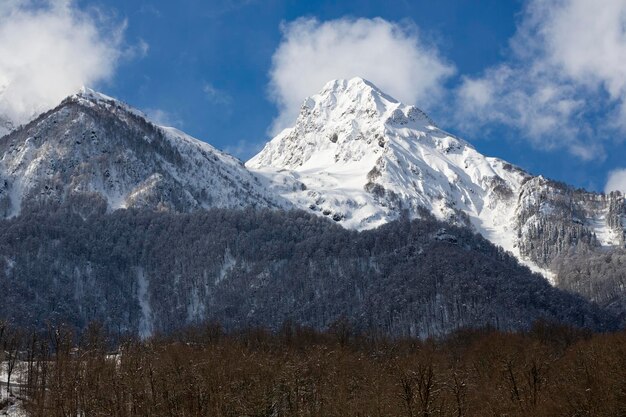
x: 348, y: 118
x: 362, y: 158
x: 95, y: 151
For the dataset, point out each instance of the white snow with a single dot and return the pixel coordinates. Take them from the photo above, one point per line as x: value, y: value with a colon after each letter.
x: 229, y: 263
x: 14, y: 407
x: 605, y: 235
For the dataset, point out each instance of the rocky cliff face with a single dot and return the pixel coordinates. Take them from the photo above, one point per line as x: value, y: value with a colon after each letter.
x: 554, y: 219
x: 96, y: 152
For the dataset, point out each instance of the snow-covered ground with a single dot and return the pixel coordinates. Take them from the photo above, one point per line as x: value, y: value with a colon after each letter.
x: 351, y: 136
x: 10, y: 405
x: 605, y: 235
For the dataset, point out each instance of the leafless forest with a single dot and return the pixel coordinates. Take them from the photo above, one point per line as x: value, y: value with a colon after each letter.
x: 547, y: 371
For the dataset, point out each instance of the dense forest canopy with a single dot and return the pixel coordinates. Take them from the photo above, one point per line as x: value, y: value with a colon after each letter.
x: 142, y: 271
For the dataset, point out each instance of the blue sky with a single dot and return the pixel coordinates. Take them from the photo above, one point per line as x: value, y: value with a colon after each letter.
x: 515, y: 78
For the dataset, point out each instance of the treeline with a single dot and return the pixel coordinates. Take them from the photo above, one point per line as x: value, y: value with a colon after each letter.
x: 203, y: 371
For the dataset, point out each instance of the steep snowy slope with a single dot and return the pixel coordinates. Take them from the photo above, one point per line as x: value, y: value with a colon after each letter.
x: 362, y: 158
x: 93, y: 150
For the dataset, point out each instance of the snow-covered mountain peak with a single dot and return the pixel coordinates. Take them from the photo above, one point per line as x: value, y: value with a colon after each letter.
x: 351, y: 119
x: 84, y: 95
x: 89, y: 97
x: 354, y: 94
x: 358, y: 99
x: 363, y: 158
x: 371, y: 156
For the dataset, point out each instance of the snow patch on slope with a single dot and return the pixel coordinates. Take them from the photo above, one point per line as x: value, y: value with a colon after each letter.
x: 146, y: 323
x: 229, y: 263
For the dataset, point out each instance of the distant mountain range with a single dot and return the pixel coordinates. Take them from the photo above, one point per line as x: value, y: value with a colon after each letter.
x: 355, y: 156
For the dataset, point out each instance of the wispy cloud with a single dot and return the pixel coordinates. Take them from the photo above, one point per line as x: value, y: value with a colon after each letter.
x: 215, y: 95
x: 149, y: 9
x: 218, y: 8
x: 567, y: 61
x: 244, y: 149
x: 137, y: 51
x: 616, y: 181
x: 164, y: 118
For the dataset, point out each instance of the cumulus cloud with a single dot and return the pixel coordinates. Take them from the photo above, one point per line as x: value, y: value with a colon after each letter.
x: 565, y: 55
x: 547, y: 113
x: 49, y: 49
x: 393, y: 56
x: 616, y: 181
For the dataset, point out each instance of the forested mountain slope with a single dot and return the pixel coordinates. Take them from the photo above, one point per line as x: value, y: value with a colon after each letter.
x: 147, y: 271
x: 356, y: 156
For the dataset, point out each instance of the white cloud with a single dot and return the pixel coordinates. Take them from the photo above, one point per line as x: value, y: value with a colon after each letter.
x: 49, y: 49
x: 616, y: 181
x: 391, y: 55
x: 139, y: 50
x: 215, y: 95
x: 244, y: 149
x: 586, y: 39
x: 568, y: 59
x: 164, y: 118
x: 543, y: 111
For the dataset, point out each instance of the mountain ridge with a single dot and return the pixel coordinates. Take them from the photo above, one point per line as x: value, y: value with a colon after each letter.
x: 355, y: 155
x: 96, y: 147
